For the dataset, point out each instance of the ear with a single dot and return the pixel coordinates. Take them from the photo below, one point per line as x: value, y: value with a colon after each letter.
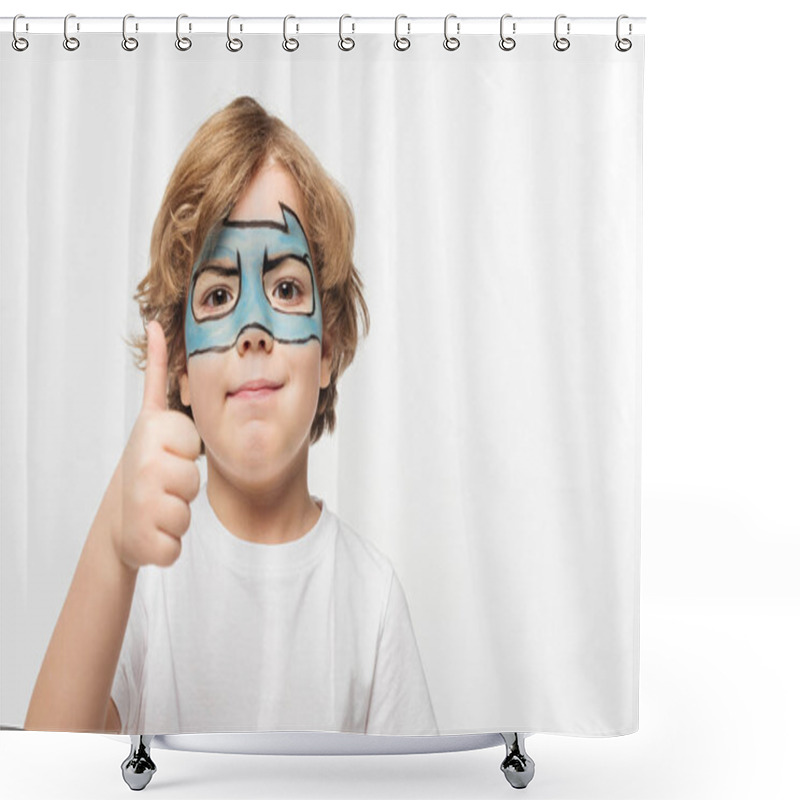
x: 186, y: 395
x: 326, y: 361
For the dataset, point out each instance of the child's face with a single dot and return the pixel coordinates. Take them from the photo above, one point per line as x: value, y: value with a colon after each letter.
x: 255, y: 316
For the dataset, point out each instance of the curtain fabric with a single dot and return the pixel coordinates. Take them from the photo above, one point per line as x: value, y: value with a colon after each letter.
x: 488, y: 430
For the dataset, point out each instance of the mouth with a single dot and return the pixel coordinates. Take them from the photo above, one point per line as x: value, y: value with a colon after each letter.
x: 255, y: 390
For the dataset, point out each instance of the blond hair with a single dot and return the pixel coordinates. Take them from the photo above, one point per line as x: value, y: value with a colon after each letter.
x: 212, y: 172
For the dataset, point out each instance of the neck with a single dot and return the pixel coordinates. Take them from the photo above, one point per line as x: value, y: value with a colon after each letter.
x: 276, y: 512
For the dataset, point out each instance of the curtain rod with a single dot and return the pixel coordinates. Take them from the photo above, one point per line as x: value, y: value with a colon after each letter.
x: 311, y: 25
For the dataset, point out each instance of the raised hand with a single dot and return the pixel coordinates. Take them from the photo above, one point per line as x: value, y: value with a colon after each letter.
x: 160, y: 476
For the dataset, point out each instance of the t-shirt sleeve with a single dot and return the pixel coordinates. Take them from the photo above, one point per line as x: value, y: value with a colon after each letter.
x: 126, y: 691
x: 399, y: 703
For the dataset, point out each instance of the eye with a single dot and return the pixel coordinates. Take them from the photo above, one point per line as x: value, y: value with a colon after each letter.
x: 285, y: 290
x: 217, y: 294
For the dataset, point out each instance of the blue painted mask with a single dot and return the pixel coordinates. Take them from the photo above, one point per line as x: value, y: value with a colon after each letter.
x: 247, y: 264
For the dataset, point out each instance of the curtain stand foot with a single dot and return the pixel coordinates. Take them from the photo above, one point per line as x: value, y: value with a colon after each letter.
x: 138, y: 768
x: 517, y: 766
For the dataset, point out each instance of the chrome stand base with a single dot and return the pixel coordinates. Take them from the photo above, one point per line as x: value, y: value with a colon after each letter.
x: 517, y: 766
x: 138, y: 768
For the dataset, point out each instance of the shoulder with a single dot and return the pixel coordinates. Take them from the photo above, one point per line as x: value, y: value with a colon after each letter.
x: 361, y: 558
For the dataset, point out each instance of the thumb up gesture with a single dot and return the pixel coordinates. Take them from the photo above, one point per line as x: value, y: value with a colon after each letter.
x: 160, y: 476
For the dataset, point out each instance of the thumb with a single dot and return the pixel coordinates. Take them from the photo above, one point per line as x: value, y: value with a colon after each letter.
x: 155, y: 376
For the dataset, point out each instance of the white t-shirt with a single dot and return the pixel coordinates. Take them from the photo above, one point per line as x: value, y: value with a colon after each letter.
x: 313, y: 634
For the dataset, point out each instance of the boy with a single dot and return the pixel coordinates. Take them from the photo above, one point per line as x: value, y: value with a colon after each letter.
x: 244, y: 603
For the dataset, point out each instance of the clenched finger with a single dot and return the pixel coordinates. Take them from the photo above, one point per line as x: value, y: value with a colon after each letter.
x: 173, y: 515
x: 181, y: 477
x: 179, y: 435
x: 165, y: 549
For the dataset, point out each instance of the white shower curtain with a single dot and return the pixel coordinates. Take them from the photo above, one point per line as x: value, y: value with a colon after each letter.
x: 488, y: 429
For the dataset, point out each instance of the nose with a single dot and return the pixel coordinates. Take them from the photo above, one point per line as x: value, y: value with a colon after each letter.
x: 253, y: 338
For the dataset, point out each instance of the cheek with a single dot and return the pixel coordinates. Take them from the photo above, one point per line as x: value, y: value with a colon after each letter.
x: 308, y: 368
x: 204, y: 387
x: 314, y: 374
x: 304, y: 374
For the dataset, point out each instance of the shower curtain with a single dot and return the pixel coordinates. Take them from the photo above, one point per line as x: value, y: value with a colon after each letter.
x: 483, y: 473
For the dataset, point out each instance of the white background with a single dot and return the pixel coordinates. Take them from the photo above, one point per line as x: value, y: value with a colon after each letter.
x: 720, y: 470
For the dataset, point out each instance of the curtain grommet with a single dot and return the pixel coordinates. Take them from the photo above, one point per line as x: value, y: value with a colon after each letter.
x: 289, y: 44
x: 70, y: 42
x: 183, y: 43
x: 507, y: 42
x: 401, y: 42
x: 19, y: 43
x: 451, y: 42
x: 623, y: 45
x: 561, y: 43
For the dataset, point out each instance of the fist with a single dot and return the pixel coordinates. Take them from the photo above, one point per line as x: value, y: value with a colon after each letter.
x: 160, y: 476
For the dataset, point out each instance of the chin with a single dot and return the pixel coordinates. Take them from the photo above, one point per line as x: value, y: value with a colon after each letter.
x: 257, y: 451
x: 255, y: 471
x: 248, y: 450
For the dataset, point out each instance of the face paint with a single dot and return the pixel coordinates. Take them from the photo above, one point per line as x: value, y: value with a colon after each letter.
x: 246, y: 252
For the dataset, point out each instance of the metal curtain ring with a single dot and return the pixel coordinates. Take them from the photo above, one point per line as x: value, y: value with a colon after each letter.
x: 346, y: 43
x: 451, y: 42
x: 234, y: 45
x: 70, y: 42
x: 561, y: 43
x: 401, y: 42
x: 623, y: 45
x: 292, y: 44
x: 18, y: 42
x: 181, y: 42
x: 506, y: 42
x: 128, y: 42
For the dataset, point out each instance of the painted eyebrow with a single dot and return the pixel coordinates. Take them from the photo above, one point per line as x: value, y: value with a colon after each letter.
x: 216, y: 268
x: 273, y: 263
